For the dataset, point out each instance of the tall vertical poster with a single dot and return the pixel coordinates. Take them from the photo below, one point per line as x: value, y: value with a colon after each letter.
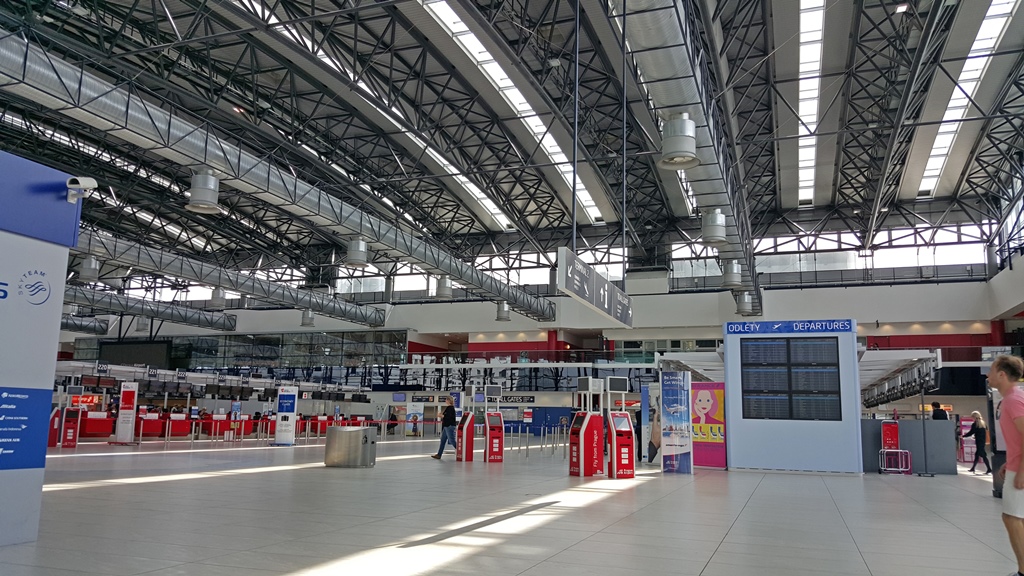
x: 676, y: 445
x: 126, y: 408
x: 652, y: 430
x: 287, y: 402
x: 414, y: 419
x: 37, y: 225
x: 708, y: 415
x: 644, y: 437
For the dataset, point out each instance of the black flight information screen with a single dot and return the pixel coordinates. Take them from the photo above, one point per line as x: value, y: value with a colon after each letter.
x: 790, y: 378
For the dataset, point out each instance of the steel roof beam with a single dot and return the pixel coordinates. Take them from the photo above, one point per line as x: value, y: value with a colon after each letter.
x: 85, y: 325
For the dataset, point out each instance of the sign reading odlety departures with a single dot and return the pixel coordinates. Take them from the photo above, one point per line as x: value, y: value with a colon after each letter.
x: 581, y: 282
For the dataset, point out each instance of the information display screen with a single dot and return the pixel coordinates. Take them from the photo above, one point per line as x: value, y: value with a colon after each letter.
x: 465, y: 417
x: 493, y: 420
x: 790, y: 378
x: 621, y: 423
x: 577, y: 422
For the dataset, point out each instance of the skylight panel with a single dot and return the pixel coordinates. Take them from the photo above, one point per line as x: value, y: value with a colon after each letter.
x: 812, y: 23
x: 446, y: 16
x: 992, y: 29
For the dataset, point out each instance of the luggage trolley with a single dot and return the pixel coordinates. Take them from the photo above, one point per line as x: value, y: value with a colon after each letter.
x: 892, y: 460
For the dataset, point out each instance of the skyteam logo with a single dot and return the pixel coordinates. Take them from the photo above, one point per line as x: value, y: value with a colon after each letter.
x: 34, y: 287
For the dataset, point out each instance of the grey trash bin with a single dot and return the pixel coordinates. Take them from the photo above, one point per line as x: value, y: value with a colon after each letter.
x: 351, y: 447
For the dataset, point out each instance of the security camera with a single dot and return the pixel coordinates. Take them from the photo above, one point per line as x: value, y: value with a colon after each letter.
x: 79, y: 186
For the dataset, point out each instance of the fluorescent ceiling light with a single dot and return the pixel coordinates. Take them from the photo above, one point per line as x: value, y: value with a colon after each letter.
x: 901, y: 8
x: 812, y: 25
x: 992, y: 28
x: 471, y: 45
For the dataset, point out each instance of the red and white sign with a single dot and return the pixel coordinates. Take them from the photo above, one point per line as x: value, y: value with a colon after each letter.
x: 125, y: 431
x: 528, y: 415
x: 86, y: 400
x: 630, y: 403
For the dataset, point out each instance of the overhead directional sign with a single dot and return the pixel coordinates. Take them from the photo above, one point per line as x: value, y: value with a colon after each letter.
x: 581, y: 282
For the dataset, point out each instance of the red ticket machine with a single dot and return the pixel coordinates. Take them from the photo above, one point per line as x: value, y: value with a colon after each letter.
x: 464, y: 438
x: 586, y: 444
x: 621, y: 446
x: 495, y: 437
x: 69, y: 433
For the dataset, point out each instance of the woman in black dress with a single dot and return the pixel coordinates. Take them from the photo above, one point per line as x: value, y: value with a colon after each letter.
x: 980, y: 433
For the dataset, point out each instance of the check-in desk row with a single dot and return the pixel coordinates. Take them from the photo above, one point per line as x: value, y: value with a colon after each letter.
x: 98, y: 425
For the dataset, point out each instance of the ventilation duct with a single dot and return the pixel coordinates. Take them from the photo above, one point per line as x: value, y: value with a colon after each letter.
x: 70, y: 309
x: 142, y: 324
x: 744, y: 304
x: 679, y: 144
x: 84, y: 325
x: 89, y: 269
x: 137, y: 307
x: 713, y: 229
x: 307, y: 319
x: 30, y: 73
x: 356, y: 256
x: 444, y: 288
x: 732, y: 277
x: 219, y: 299
x: 503, y: 312
x: 204, y: 193
x: 185, y: 268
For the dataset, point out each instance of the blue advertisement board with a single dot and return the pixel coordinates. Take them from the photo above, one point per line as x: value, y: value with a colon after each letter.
x: 32, y: 190
x: 286, y: 403
x: 24, y: 425
x: 676, y: 441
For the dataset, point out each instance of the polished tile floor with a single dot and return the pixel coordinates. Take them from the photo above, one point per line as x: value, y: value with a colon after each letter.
x: 163, y: 510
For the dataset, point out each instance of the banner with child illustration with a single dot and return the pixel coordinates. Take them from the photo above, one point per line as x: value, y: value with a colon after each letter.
x: 707, y: 402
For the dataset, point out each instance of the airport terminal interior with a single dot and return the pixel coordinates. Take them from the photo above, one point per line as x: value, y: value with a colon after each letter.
x: 508, y: 287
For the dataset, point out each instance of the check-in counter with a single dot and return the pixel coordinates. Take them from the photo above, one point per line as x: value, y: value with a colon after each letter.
x: 96, y: 425
x: 149, y: 426
x: 177, y: 426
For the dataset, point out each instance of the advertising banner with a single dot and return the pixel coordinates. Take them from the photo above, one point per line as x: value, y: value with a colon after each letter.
x: 676, y: 446
x: 287, y: 397
x: 414, y: 419
x: 708, y: 414
x: 129, y: 404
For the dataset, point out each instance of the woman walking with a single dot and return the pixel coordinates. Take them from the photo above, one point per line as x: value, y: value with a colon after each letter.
x: 980, y: 433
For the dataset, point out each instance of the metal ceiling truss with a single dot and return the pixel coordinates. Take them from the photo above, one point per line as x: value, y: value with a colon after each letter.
x: 746, y: 45
x: 276, y: 107
x: 252, y: 234
x: 177, y: 266
x: 533, y: 34
x: 121, y: 304
x: 891, y: 61
x: 992, y: 181
x: 32, y: 73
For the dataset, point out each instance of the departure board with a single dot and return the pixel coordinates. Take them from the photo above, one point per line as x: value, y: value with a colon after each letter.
x: 790, y: 378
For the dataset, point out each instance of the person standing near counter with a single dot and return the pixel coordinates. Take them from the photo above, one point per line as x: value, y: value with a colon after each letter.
x: 980, y: 434
x: 1004, y: 375
x: 447, y: 427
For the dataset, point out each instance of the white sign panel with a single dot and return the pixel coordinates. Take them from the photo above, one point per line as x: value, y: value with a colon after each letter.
x: 126, y: 410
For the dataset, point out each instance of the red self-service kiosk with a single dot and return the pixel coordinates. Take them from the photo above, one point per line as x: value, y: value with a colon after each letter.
x: 621, y: 446
x: 586, y: 444
x: 464, y: 438
x: 495, y: 437
x: 69, y: 434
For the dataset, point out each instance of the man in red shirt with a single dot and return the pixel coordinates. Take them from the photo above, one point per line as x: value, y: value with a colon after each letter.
x: 1004, y: 375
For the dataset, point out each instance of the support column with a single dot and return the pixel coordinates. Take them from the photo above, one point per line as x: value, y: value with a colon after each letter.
x: 37, y: 226
x: 998, y: 333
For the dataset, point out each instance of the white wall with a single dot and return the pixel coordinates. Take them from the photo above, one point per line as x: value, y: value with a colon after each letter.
x: 681, y: 315
x: 1005, y: 295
